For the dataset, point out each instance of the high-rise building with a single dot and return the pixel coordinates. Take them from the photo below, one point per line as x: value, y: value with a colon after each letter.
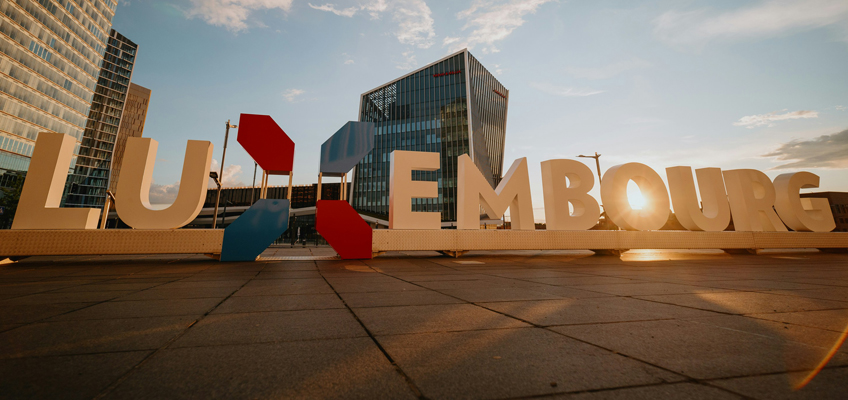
x: 453, y: 106
x: 132, y: 125
x: 88, y: 183
x: 50, y: 58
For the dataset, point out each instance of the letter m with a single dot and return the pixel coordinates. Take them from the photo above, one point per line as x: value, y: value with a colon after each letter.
x: 473, y: 191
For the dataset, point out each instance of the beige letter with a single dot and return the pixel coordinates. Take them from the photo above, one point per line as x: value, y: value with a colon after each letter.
x: 38, y: 207
x: 402, y: 189
x: 473, y: 191
x: 614, y: 195
x: 751, y: 196
x: 558, y: 195
x: 716, y: 213
x: 133, y: 197
x: 807, y: 214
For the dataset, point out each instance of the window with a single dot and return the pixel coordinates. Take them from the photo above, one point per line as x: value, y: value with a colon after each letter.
x: 38, y: 50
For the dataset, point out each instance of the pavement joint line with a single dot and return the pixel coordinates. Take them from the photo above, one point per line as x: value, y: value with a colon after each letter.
x: 692, y: 379
x: 111, y: 387
x: 77, y: 309
x: 753, y: 316
x: 760, y: 374
x: 612, y: 389
x: 412, y: 386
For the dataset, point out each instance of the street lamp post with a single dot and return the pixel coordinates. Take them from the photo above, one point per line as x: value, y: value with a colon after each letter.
x: 253, y: 188
x: 597, y: 158
x: 221, y: 172
x: 597, y: 163
x: 214, y: 176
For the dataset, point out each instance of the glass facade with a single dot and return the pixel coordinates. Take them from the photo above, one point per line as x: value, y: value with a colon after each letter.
x: 90, y: 179
x: 50, y: 57
x: 432, y: 109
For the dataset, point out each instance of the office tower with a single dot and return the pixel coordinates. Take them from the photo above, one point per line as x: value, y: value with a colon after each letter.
x: 453, y: 106
x: 88, y: 183
x: 50, y: 57
x: 132, y: 125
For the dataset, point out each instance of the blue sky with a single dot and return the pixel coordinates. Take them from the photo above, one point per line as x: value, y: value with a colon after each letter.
x: 732, y: 84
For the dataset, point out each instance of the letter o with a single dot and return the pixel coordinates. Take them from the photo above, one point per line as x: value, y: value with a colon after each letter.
x: 614, y: 196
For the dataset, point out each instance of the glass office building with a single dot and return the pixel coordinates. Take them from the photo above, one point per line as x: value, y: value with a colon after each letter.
x: 453, y: 106
x: 132, y: 125
x: 50, y: 57
x: 89, y: 181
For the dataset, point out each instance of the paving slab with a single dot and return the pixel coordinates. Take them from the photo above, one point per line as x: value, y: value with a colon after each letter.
x: 829, y: 384
x: 141, y: 309
x: 26, y: 313
x: 746, y: 302
x: 65, y: 297
x: 403, y: 298
x: 241, y: 328
x: 507, y: 363
x: 592, y: 310
x: 834, y: 320
x: 90, y: 336
x: 432, y: 318
x: 689, y: 391
x: 650, y: 288
x: 280, y: 287
x: 700, y: 350
x: 279, y: 303
x: 334, y: 369
x: 65, y: 377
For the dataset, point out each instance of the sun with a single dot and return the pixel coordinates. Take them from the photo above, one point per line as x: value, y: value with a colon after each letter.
x: 634, y: 196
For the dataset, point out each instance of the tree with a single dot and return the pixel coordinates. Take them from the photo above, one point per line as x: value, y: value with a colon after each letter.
x: 9, y: 198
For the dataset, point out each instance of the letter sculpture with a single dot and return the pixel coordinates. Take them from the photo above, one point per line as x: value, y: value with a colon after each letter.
x: 558, y: 195
x: 751, y: 195
x: 38, y: 207
x: 807, y: 214
x: 614, y: 196
x: 715, y: 216
x: 474, y: 191
x: 132, y: 199
x: 402, y: 189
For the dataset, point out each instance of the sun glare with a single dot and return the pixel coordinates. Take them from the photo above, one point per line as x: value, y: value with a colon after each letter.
x: 634, y: 196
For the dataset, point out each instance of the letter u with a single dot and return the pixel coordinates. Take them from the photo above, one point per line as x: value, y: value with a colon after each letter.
x: 132, y: 199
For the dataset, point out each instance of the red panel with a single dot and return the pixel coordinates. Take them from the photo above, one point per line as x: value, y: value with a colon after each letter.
x: 266, y: 142
x: 343, y: 228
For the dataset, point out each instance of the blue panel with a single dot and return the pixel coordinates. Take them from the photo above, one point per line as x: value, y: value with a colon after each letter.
x: 255, y: 230
x: 342, y: 151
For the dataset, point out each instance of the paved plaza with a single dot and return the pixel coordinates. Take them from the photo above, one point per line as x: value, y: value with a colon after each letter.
x: 652, y: 324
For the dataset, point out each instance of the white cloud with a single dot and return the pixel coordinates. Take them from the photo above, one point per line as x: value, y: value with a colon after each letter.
x: 564, y: 91
x: 608, y: 71
x: 292, y: 95
x: 825, y: 151
x: 164, y: 194
x: 490, y: 22
x: 408, y: 62
x: 841, y: 108
x: 348, y: 62
x: 347, y: 12
x: 752, y: 121
x: 768, y: 18
x: 415, y: 25
x: 233, y: 14
x: 232, y: 175
x: 413, y: 18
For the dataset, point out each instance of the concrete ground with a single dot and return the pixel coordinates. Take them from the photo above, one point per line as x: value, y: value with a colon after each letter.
x: 650, y: 325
